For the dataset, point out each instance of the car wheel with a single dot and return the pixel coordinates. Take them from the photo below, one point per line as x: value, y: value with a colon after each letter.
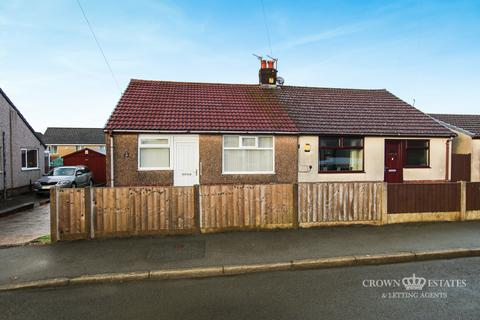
x: 74, y: 185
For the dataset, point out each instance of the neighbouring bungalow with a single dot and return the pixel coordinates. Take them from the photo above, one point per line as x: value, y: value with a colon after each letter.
x: 22, y: 153
x: 63, y: 141
x: 180, y: 133
x: 466, y: 144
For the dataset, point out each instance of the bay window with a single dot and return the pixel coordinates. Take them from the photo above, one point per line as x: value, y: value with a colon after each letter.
x: 154, y: 152
x: 248, y: 154
x: 340, y: 154
x: 29, y: 159
x: 416, y: 153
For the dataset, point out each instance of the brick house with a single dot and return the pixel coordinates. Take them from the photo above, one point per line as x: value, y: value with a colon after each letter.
x: 179, y: 133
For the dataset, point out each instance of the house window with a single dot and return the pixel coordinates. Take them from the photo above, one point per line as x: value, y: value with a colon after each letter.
x: 248, y: 154
x: 102, y: 149
x: 154, y: 152
x: 416, y: 153
x: 340, y: 154
x: 29, y: 159
x: 53, y: 149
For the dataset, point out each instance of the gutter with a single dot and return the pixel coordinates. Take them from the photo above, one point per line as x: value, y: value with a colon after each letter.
x: 200, y: 132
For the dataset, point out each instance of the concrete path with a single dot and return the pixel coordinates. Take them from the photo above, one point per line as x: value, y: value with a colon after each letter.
x: 22, y: 227
x: 71, y: 259
x: 21, y: 202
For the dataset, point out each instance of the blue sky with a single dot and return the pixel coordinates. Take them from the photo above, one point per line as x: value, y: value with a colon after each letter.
x: 52, y: 70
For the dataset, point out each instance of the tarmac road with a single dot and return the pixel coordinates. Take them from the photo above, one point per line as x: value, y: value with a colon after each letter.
x: 451, y: 291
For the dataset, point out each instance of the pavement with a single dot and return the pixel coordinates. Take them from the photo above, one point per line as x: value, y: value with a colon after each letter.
x: 337, y: 293
x: 356, y: 244
x: 22, y: 227
x: 21, y: 202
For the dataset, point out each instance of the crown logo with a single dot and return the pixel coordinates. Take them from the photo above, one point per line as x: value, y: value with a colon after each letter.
x: 414, y: 283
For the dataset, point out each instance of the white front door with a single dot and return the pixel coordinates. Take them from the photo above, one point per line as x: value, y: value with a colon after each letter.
x: 185, y: 170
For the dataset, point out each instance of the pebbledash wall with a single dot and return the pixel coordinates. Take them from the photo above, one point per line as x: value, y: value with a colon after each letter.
x: 211, y: 162
x: 126, y: 171
x: 17, y: 136
x: 374, y: 155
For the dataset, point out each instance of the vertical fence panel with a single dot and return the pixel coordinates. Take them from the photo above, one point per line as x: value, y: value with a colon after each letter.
x: 423, y: 197
x: 71, y: 220
x: 473, y: 195
x: 128, y: 211
x: 228, y: 207
x: 324, y: 203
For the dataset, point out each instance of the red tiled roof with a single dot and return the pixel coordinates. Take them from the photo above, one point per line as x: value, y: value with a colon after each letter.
x: 180, y: 106
x: 469, y: 123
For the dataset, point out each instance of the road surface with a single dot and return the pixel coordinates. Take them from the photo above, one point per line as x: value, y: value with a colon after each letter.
x: 313, y: 294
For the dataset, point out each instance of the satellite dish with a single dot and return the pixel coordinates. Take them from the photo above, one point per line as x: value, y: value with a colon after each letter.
x: 280, y: 81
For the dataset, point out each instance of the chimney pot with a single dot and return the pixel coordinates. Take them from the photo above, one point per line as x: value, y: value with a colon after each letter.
x: 267, y: 75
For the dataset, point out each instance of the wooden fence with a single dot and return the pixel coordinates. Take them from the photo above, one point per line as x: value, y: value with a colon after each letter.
x: 331, y: 203
x: 473, y: 196
x: 68, y: 220
x: 423, y: 197
x: 226, y: 207
x: 126, y: 211
x: 114, y: 212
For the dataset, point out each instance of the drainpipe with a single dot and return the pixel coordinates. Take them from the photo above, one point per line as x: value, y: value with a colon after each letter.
x: 112, y: 177
x: 4, y: 167
x: 10, y: 137
x: 447, y: 159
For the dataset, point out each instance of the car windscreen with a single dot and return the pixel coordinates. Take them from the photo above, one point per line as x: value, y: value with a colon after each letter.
x: 62, y: 172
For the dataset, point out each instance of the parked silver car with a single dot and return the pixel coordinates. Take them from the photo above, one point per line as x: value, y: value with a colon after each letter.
x: 64, y: 177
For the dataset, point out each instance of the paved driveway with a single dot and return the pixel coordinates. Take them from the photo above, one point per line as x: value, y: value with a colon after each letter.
x: 25, y: 226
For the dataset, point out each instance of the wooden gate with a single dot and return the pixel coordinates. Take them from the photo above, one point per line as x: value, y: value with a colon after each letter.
x: 461, y: 167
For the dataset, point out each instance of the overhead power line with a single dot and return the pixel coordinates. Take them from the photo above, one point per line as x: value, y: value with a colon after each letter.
x: 266, y: 27
x: 99, y: 46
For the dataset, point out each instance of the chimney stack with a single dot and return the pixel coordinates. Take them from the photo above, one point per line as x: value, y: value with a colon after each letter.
x: 267, y: 74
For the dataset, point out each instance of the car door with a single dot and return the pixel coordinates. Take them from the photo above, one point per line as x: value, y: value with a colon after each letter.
x: 81, y: 178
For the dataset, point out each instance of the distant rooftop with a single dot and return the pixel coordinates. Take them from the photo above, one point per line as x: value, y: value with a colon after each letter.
x: 468, y: 123
x: 55, y: 135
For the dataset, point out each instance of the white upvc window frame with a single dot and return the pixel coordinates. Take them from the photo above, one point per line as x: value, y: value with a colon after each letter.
x: 155, y: 146
x: 26, y: 159
x: 240, y: 147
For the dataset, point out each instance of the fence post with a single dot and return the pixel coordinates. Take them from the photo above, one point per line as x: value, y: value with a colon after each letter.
x: 196, y: 208
x: 53, y: 215
x: 384, y: 219
x: 88, y: 212
x: 463, y: 200
x: 295, y: 217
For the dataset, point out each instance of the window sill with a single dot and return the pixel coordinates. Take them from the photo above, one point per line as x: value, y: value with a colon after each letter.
x: 417, y: 167
x: 340, y: 172
x: 30, y: 169
x: 240, y: 173
x: 154, y: 169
